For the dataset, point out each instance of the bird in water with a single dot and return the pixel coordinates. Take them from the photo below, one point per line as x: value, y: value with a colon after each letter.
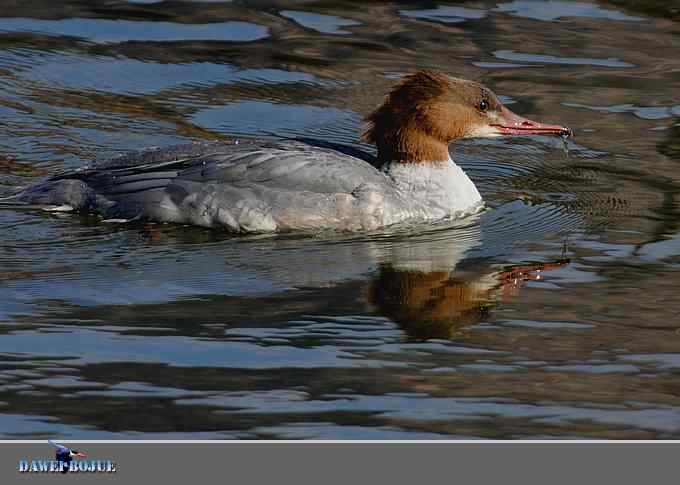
x: 301, y: 184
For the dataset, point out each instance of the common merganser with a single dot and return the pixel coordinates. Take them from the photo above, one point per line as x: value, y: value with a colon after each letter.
x: 302, y: 185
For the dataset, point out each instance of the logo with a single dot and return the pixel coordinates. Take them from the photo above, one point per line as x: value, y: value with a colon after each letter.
x: 65, y: 461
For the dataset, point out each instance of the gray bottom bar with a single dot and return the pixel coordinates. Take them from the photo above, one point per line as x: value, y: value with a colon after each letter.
x: 413, y: 463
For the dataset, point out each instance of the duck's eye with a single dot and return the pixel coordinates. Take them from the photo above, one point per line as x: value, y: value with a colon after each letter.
x: 483, y: 105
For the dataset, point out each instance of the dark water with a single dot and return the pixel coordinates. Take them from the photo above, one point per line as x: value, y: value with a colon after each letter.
x: 552, y: 315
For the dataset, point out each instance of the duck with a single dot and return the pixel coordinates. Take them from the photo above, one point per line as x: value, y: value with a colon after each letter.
x: 260, y: 186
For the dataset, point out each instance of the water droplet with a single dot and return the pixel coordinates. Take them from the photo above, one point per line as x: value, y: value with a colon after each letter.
x: 565, y: 136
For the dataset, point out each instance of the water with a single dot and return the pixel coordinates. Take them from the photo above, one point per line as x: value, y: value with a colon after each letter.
x: 552, y: 315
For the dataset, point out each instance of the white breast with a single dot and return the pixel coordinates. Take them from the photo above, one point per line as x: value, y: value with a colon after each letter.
x: 435, y: 189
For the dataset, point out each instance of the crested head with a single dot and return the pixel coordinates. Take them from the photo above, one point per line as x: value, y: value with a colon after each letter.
x: 427, y: 110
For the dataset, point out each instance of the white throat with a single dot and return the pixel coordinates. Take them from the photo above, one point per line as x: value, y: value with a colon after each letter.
x: 440, y: 186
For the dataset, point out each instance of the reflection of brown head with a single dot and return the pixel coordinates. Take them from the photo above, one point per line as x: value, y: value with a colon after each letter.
x: 436, y: 304
x: 427, y: 305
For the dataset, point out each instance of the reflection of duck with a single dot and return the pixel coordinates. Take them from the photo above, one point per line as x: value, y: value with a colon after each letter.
x: 288, y: 185
x: 65, y: 455
x: 434, y: 304
x: 671, y: 146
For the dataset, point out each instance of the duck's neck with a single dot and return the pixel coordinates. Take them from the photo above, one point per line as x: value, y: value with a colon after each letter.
x: 411, y: 145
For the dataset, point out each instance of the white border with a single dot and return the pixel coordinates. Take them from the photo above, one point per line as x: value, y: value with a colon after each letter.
x: 302, y: 442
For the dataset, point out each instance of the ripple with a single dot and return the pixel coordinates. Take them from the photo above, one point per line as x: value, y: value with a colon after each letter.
x: 113, y: 31
x: 446, y: 14
x: 13, y: 426
x: 139, y: 77
x: 660, y: 360
x: 64, y: 382
x: 263, y: 118
x: 545, y: 324
x: 594, y: 369
x: 326, y: 24
x: 176, y: 351
x: 415, y: 407
x: 645, y: 113
x: 554, y: 10
x: 139, y: 389
x: 321, y: 431
x: 546, y: 59
x: 500, y: 65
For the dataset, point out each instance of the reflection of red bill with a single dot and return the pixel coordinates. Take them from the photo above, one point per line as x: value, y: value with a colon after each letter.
x: 511, y: 279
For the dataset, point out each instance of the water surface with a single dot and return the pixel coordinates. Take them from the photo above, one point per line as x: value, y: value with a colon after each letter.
x: 551, y: 315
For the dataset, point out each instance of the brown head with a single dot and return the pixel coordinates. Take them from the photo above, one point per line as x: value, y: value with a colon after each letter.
x: 428, y: 110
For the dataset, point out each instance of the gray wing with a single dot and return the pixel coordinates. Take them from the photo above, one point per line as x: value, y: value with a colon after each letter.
x: 290, y: 165
x: 247, y: 186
